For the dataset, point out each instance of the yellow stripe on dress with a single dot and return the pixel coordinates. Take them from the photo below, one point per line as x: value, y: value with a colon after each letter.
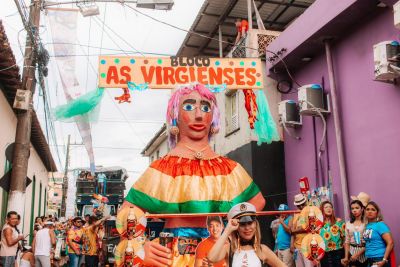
x: 186, y: 188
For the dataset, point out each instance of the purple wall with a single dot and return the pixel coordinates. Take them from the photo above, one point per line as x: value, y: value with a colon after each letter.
x: 370, y: 114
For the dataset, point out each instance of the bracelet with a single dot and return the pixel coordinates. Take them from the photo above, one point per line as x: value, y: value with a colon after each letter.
x: 385, y: 260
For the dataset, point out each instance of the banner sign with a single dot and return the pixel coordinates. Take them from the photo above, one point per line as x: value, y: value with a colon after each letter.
x: 169, y: 72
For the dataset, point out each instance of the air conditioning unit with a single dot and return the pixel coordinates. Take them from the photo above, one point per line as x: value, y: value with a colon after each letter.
x: 396, y: 11
x: 312, y: 100
x: 22, y: 99
x: 289, y: 113
x: 386, y: 60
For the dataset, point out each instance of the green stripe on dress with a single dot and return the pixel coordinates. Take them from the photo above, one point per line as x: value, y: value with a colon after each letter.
x: 154, y: 205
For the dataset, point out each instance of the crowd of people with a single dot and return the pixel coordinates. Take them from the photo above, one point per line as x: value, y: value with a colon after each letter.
x: 71, y: 242
x: 364, y: 240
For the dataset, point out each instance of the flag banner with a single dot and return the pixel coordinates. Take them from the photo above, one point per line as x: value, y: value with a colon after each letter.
x: 63, y: 30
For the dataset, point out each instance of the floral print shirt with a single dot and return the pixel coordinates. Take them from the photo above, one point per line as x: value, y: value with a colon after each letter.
x: 333, y: 235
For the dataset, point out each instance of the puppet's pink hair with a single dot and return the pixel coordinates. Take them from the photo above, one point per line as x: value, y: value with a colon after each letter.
x: 173, y: 108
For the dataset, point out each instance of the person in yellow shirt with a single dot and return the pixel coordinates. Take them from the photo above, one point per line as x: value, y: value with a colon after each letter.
x: 299, y: 233
x: 90, y: 241
x: 74, y: 240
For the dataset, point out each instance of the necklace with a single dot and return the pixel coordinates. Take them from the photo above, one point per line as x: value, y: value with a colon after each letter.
x: 197, y: 154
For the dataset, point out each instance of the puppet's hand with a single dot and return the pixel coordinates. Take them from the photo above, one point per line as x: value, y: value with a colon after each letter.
x: 156, y: 254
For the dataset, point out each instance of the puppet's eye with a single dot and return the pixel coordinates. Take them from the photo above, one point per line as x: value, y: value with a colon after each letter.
x: 205, y: 108
x: 188, y: 107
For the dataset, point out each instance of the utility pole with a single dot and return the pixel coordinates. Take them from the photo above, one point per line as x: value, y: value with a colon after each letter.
x: 16, y: 199
x: 65, y: 181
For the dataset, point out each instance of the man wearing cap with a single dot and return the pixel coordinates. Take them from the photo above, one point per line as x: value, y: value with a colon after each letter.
x: 214, y: 227
x: 44, y: 240
x: 283, y: 238
x: 299, y: 233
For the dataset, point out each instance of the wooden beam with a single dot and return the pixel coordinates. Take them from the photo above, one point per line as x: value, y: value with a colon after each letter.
x: 221, y: 19
x: 281, y: 3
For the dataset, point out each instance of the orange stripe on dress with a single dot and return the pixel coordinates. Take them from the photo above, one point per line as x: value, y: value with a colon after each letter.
x: 172, y: 166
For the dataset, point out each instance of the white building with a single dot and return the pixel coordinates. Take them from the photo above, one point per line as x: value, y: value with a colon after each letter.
x: 157, y: 147
x: 40, y: 161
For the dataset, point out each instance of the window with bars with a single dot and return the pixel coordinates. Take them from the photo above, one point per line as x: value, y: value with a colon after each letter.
x: 231, y: 112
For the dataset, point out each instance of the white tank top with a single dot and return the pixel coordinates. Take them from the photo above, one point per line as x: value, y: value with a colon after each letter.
x: 246, y: 258
x: 5, y: 250
x: 43, y: 242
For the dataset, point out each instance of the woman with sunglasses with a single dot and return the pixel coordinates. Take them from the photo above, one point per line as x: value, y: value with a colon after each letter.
x: 241, y: 240
x: 354, y: 245
x: 378, y: 239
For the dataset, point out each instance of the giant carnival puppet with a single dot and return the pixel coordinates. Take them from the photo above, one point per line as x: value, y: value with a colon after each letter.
x: 191, y: 178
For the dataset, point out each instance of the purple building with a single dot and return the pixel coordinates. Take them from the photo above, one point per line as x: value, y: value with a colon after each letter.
x: 368, y: 110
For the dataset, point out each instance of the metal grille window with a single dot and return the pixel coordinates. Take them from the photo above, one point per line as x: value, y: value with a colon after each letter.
x: 263, y: 41
x: 231, y: 112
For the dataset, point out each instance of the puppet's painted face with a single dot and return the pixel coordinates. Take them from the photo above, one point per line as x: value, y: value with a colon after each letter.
x: 195, y: 116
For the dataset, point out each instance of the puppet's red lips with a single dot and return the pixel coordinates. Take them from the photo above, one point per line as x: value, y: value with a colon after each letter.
x: 197, y: 127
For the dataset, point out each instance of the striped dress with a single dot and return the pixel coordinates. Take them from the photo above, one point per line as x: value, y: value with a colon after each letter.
x: 179, y: 185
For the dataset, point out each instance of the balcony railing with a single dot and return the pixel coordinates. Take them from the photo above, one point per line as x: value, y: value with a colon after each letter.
x: 257, y: 39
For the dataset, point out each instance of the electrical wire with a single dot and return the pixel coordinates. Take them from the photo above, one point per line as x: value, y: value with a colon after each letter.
x: 112, y: 54
x: 103, y: 48
x: 215, y: 39
x: 283, y: 123
x: 187, y: 31
x: 88, y: 52
x: 102, y: 30
x: 320, y: 149
x: 120, y: 37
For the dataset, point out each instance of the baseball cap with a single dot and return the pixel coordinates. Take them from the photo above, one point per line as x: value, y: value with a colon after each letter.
x: 283, y: 207
x: 244, y: 211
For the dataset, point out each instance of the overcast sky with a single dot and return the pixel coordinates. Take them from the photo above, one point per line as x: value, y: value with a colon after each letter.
x: 123, y: 129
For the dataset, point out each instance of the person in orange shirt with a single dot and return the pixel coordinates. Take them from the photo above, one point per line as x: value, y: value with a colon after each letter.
x: 214, y: 227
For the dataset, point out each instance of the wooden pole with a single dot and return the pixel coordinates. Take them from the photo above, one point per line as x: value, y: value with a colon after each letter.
x: 16, y: 199
x: 65, y: 181
x: 222, y: 214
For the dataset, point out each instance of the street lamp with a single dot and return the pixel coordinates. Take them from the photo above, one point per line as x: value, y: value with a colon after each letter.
x: 88, y: 8
x: 155, y: 4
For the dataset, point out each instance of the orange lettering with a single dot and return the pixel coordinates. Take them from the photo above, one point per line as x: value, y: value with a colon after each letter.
x: 125, y: 73
x: 215, y: 76
x: 239, y: 76
x: 250, y: 75
x: 147, y: 76
x: 201, y: 78
x: 181, y: 78
x: 229, y: 79
x: 158, y: 75
x: 112, y: 74
x: 192, y: 75
x: 168, y: 75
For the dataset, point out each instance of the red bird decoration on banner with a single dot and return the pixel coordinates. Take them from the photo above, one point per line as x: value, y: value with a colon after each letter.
x: 125, y: 97
x: 251, y: 106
